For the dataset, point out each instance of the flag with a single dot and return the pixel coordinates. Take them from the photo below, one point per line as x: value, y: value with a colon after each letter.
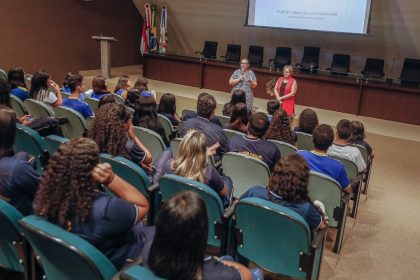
x: 144, y: 46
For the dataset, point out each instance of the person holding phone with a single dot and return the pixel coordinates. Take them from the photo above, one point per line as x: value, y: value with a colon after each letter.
x: 244, y: 79
x: 40, y: 89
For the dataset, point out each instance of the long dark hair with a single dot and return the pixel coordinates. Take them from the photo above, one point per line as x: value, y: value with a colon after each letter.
x: 16, y: 77
x: 167, y: 104
x: 109, y: 129
x: 39, y: 85
x: 132, y: 96
x: 238, y: 96
x: 358, y: 133
x: 145, y: 114
x: 5, y: 93
x: 99, y: 85
x: 67, y: 190
x: 290, y: 179
x: 180, y: 242
x: 7, y: 131
x: 279, y: 128
x: 239, y: 118
x: 308, y: 120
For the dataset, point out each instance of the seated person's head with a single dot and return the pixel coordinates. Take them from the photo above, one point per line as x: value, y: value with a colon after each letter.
x: 238, y: 96
x: 258, y: 125
x: 109, y: 129
x: 206, y: 106
x: 308, y: 120
x: 105, y: 100
x: 4, y: 93
x: 99, y: 85
x: 7, y: 131
x: 141, y: 84
x: 75, y: 83
x: 279, y: 128
x: 272, y: 106
x: 358, y: 133
x: 132, y: 96
x: 344, y: 129
x: 145, y: 110
x: 167, y: 104
x: 40, y: 80
x: 16, y: 77
x: 240, y: 113
x: 123, y: 83
x: 323, y: 137
x: 289, y: 179
x: 191, y: 159
x: 66, y: 78
x: 180, y: 243
x: 67, y: 189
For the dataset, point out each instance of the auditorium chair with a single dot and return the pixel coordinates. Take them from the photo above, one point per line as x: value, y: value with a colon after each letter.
x: 284, y: 148
x: 93, y: 103
x: 256, y: 56
x: 138, y: 272
x: 170, y: 130
x: 283, y: 57
x: 3, y: 75
x: 369, y: 161
x: 233, y: 53
x: 304, y: 141
x: 18, y: 106
x: 119, y: 99
x: 340, y: 64
x: 76, y: 125
x: 410, y: 74
x: 231, y: 133
x: 209, y: 50
x: 277, y: 239
x: 151, y: 140
x: 374, y: 68
x: 310, y: 59
x: 52, y: 142
x: 38, y: 109
x: 224, y: 120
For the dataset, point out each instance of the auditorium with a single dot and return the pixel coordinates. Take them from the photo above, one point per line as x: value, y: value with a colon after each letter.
x: 209, y: 140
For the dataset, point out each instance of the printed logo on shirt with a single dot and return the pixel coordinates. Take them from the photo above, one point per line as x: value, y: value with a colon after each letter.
x: 251, y: 155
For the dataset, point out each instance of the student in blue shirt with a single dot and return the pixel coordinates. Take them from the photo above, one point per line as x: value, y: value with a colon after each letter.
x: 318, y: 160
x: 122, y: 86
x: 16, y: 78
x: 99, y: 87
x: 75, y: 84
x: 288, y: 187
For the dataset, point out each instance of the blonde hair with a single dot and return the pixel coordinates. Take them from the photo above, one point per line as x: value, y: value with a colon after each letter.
x: 190, y: 162
x: 288, y: 67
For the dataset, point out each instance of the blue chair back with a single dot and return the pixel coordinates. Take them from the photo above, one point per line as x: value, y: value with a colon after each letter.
x: 64, y: 255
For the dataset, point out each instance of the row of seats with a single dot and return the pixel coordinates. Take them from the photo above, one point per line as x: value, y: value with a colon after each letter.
x: 374, y: 68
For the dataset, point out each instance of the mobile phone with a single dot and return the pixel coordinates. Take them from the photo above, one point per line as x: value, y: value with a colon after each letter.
x: 30, y: 118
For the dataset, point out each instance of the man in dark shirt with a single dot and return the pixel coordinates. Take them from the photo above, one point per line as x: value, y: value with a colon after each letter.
x: 206, y: 107
x: 192, y: 115
x: 253, y: 144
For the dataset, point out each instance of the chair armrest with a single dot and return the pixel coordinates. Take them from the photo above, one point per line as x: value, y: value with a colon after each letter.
x: 319, y: 236
x: 153, y: 187
x: 229, y: 212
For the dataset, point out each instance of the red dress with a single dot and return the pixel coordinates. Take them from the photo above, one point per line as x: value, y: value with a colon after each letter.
x: 288, y: 104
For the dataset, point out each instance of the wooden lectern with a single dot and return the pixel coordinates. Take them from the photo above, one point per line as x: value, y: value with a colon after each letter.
x: 105, y: 54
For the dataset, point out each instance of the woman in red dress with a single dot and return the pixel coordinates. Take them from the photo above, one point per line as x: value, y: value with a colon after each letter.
x: 285, y: 91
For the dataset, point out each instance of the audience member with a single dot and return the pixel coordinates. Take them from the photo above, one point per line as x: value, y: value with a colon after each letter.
x: 132, y: 96
x: 280, y: 130
x: 239, y: 118
x: 40, y: 84
x: 145, y: 115
x: 142, y: 84
x: 318, y: 160
x: 18, y: 179
x: 76, y: 86
x: 288, y: 187
x: 99, y: 88
x: 308, y: 120
x: 272, y: 106
x: 70, y: 197
x: 340, y: 147
x: 206, y: 107
x: 167, y: 108
x: 178, y: 250
x: 238, y: 96
x: 16, y: 78
x: 65, y: 87
x: 122, y: 86
x: 112, y: 130
x: 254, y: 144
x: 192, y: 115
x: 358, y: 137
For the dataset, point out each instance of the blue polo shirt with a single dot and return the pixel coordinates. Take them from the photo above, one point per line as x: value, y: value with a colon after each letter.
x: 99, y: 95
x: 20, y: 92
x: 257, y: 148
x: 120, y: 91
x: 326, y: 165
x: 78, y: 106
x: 18, y: 183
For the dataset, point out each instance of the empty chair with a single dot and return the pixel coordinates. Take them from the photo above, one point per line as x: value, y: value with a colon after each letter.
x: 12, y: 253
x: 256, y: 56
x: 374, y: 68
x: 209, y: 50
x: 151, y: 140
x: 167, y: 126
x: 325, y: 189
x: 38, y: 109
x: 245, y: 172
x: 18, y: 106
x: 28, y: 140
x: 64, y: 255
x: 231, y: 133
x: 93, y: 103
x: 304, y: 141
x: 340, y: 64
x: 285, y: 148
x: 277, y: 239
x: 233, y: 53
x: 171, y: 184
x: 52, y: 142
x: 283, y: 57
x: 310, y: 59
x: 76, y: 125
x: 410, y: 74
x: 138, y: 272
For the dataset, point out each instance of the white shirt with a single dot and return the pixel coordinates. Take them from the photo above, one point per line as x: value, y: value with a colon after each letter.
x: 350, y: 153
